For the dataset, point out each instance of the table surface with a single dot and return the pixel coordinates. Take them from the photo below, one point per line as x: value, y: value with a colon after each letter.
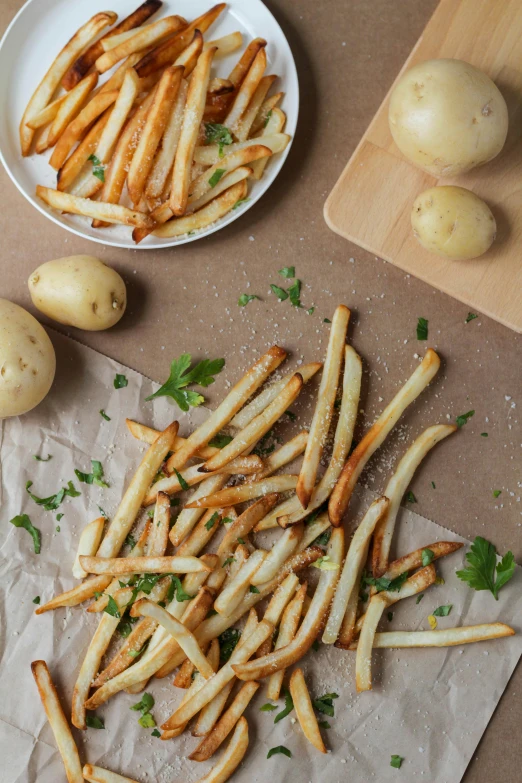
x: 185, y: 300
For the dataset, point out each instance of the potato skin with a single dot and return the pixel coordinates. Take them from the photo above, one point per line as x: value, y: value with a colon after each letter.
x: 453, y: 222
x: 79, y: 291
x: 27, y: 360
x: 447, y: 117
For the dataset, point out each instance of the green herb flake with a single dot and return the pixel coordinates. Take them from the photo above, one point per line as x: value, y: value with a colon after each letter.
x: 419, y: 598
x: 427, y: 556
x: 112, y: 608
x: 267, y: 118
x: 181, y: 376
x: 217, y: 134
x: 315, y: 645
x: 183, y: 484
x: 443, y: 611
x: 52, y: 502
x: 145, y: 704
x: 323, y: 539
x: 291, y: 415
x: 130, y: 541
x: 104, y: 415
x: 483, y: 572
x: 102, y: 512
x: 227, y: 643
x: 325, y: 564
x: 219, y: 441
x: 268, y: 707
x: 323, y: 724
x: 59, y: 516
x: 176, y: 588
x: 310, y: 311
x: 497, y: 492
x: 22, y: 520
x: 253, y: 589
x: 212, y: 521
x: 325, y: 704
x: 42, y: 459
x: 289, y: 706
x: 422, y: 329
x: 279, y: 292
x: 294, y: 292
x: 287, y: 271
x: 326, y: 321
x: 96, y: 477
x: 58, y: 528
x: 389, y: 585
x: 484, y: 435
x: 463, y: 418
x: 94, y: 722
x: 433, y: 485
x: 147, y: 721
x: 240, y: 540
x: 389, y: 616
x: 98, y: 169
x: 471, y: 317
x: 409, y: 497
x: 216, y: 176
x: 120, y: 381
x: 279, y: 749
x: 228, y: 561
x: 36, y: 599
x: 244, y: 299
x: 156, y: 733
x: 396, y: 761
x: 240, y: 203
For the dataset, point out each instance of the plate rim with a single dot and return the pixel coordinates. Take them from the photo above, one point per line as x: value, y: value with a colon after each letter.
x: 214, y: 227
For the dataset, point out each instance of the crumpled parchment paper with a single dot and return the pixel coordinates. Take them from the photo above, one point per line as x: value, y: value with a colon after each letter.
x: 429, y: 706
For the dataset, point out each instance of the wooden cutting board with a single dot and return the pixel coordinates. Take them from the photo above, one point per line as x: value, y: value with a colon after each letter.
x: 372, y: 200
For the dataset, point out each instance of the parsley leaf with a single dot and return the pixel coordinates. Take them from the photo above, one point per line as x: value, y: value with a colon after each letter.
x: 217, y: 134
x: 52, y: 502
x: 324, y: 724
x: 326, y: 321
x: 253, y: 589
x: 483, y: 572
x: 287, y: 271
x: 268, y: 707
x: 267, y: 118
x: 240, y: 202
x: 112, y: 608
x: 156, y: 733
x: 228, y: 561
x: 102, y: 512
x: 244, y: 299
x: 219, y: 441
x: 36, y: 599
x: 42, y: 459
x: 382, y: 583
x: 289, y: 706
x: 389, y: 615
x: 22, y: 520
x: 323, y: 539
x: 409, y: 497
x: 120, y: 381
x: 294, y: 292
x: 96, y: 477
x: 181, y: 376
x: 427, y: 556
x: 279, y: 292
x: 325, y: 704
x: 324, y: 564
x: 279, y: 749
x: 462, y: 419
x: 443, y: 611
x: 419, y: 598
x: 145, y: 704
x: 147, y: 721
x: 183, y: 484
x: 94, y: 722
x: 212, y: 521
x: 104, y: 415
x: 422, y: 329
x: 471, y: 317
x: 130, y: 541
x: 227, y: 643
x: 484, y: 435
x: 216, y: 176
x: 396, y: 761
x: 176, y: 588
x: 98, y: 169
x: 497, y: 493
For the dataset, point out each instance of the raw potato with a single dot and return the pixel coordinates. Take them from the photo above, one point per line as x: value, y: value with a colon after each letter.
x: 453, y: 222
x: 79, y: 291
x: 447, y: 117
x: 27, y: 360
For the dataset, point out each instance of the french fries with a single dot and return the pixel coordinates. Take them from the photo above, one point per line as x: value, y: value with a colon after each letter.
x: 275, y: 123
x: 75, y: 163
x: 354, y: 558
x: 58, y: 722
x: 414, y: 559
x: 396, y: 489
x: 244, y: 125
x: 246, y: 91
x: 200, y: 186
x: 75, y: 130
x: 142, y: 565
x: 100, y: 775
x: 238, y: 74
x: 188, y: 517
x: 88, y: 544
x: 77, y: 595
x: 110, y: 213
x: 305, y: 711
x: 226, y: 45
x: 325, y: 405
x: 448, y: 637
x: 232, y: 594
x: 282, y: 456
x: 70, y: 107
x: 210, y: 155
x: 220, y: 732
x: 239, y: 494
x: 159, y: 537
x: 264, y: 113
x: 283, y: 548
x: 149, y: 435
x: 83, y: 64
x: 45, y: 90
x: 144, y: 38
x: 164, y: 160
x: 232, y: 757
x: 377, y: 434
x: 287, y: 631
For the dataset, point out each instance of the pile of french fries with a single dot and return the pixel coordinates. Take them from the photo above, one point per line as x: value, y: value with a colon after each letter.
x: 225, y: 575
x: 164, y: 145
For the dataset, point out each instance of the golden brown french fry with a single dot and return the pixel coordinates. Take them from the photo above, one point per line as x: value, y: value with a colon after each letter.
x: 164, y: 160
x: 218, y: 86
x: 322, y: 417
x: 111, y: 213
x: 142, y: 565
x: 75, y: 163
x: 305, y: 711
x: 235, y: 399
x: 88, y: 544
x: 232, y: 757
x: 285, y: 546
x: 189, y: 56
x: 58, y: 722
x: 206, y: 527
x: 264, y: 113
x: 77, y: 595
x: 232, y: 594
x: 241, y: 69
x: 282, y: 456
x: 312, y: 623
x: 287, y: 631
x: 414, y: 559
x: 188, y: 517
x: 246, y: 91
x: 275, y: 124
x: 342, y: 443
x: 215, y: 684
x: 171, y: 484
x: 149, y: 435
x: 116, y: 173
x: 225, y: 45
x: 247, y: 120
x: 396, y: 489
x: 192, y: 118
x: 239, y: 494
x: 159, y: 537
x: 71, y: 107
x: 148, y: 36
x: 238, y: 175
x: 449, y: 637
x: 218, y: 735
x: 177, y: 630
x: 116, y: 80
x: 347, y: 631
x: 258, y: 427
x: 209, y: 155
x: 154, y: 127
x: 378, y: 603
x: 45, y: 90
x: 351, y: 567
x: 101, y: 775
x: 185, y: 674
x: 377, y: 434
x: 211, y: 712
x: 314, y: 529
x: 167, y: 52
x: 115, y: 40
x: 226, y: 164
x: 75, y: 131
x: 48, y: 114
x: 166, y: 650
x: 276, y: 606
x: 84, y: 63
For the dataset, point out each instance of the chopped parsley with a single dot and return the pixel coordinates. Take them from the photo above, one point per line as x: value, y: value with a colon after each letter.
x: 155, y: 733
x: 240, y: 540
x: 96, y: 477
x: 483, y: 572
x: 325, y: 704
x: 217, y: 134
x: 279, y: 749
x: 389, y: 615
x: 36, y: 599
x: 279, y: 292
x: 181, y: 376
x: 42, y: 459
x: 219, y: 441
x: 287, y: 271
x: 227, y: 643
x: 326, y: 321
x: 228, y: 561
x: 291, y: 415
x: 244, y: 299
x: 102, y: 512
x: 323, y: 539
x: 216, y: 176
x: 144, y: 706
x: 104, y: 415
x: 253, y: 589
x: 94, y: 722
x: 147, y: 721
x: 483, y: 434
x: 58, y: 528
x: 443, y: 611
x: 52, y: 502
x: 324, y: 564
x: 294, y: 292
x: 268, y: 707
x: 98, y: 169
x: 383, y: 583
x: 183, y: 484
x: 471, y: 317
x: 409, y: 497
x: 240, y: 203
x: 22, y: 520
x: 310, y: 311
x: 212, y: 521
x: 324, y: 724
x: 433, y: 485
x: 419, y: 598
x: 396, y: 761
x: 130, y: 541
x: 59, y: 516
x: 176, y: 588
x: 112, y: 608
x: 267, y: 118
x: 497, y: 492
x: 422, y: 329
x: 289, y: 706
x: 427, y: 556
x: 462, y: 419
x: 120, y: 381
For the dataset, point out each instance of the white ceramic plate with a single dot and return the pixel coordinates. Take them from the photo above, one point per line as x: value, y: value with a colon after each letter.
x: 42, y: 27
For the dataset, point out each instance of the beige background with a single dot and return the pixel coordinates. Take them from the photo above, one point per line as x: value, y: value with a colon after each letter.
x: 347, y: 55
